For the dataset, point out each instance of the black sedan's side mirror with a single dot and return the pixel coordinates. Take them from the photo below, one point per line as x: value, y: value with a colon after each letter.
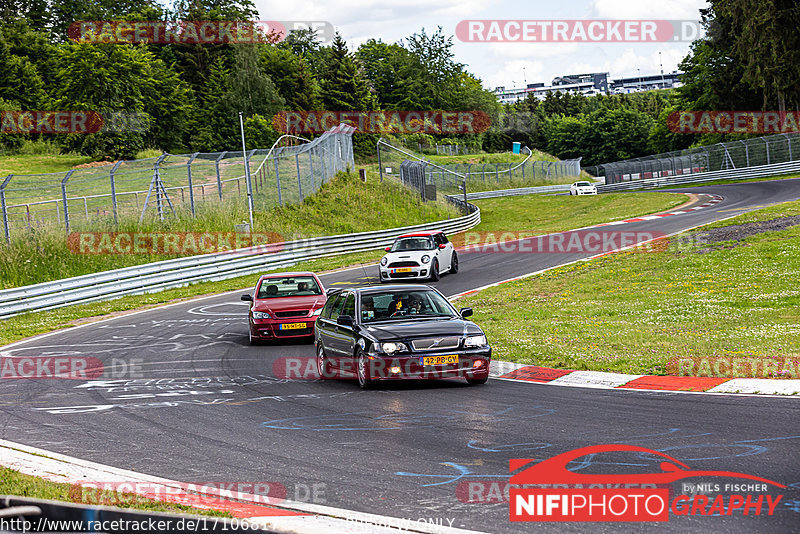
x: 344, y: 320
x: 247, y: 298
x: 465, y: 312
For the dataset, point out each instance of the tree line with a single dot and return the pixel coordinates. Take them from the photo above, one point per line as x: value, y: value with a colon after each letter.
x: 192, y: 93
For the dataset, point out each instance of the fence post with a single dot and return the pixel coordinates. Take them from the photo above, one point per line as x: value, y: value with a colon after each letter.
x: 114, y: 191
x: 3, y: 206
x: 766, y: 144
x: 219, y: 179
x: 278, y: 181
x: 788, y: 144
x: 64, y: 198
x: 311, y: 171
x: 380, y: 165
x: 189, y: 176
x: 497, y: 172
x: 299, y: 182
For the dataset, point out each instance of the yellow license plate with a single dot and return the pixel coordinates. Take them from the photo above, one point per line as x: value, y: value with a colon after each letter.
x: 403, y: 270
x: 440, y: 360
x: 293, y: 326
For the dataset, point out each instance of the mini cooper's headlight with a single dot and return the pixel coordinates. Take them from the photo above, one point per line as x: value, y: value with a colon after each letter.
x: 260, y: 315
x: 391, y: 348
x: 425, y: 258
x: 316, y: 312
x: 475, y: 341
x: 384, y: 260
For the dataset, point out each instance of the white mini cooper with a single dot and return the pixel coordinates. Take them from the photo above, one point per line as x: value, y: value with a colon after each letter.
x: 419, y: 256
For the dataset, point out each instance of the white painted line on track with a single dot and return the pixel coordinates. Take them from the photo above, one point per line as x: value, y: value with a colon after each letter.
x: 67, y: 469
x: 759, y: 385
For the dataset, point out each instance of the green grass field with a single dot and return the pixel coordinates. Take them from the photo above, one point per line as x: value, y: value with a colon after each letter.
x: 344, y: 205
x: 555, y: 213
x: 634, y: 312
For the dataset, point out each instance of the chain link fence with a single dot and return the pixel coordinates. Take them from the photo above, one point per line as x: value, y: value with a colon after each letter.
x: 739, y: 154
x: 445, y: 150
x: 449, y: 178
x: 181, y: 185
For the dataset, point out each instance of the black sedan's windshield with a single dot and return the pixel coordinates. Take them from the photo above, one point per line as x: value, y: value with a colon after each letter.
x: 401, y: 303
x: 412, y: 243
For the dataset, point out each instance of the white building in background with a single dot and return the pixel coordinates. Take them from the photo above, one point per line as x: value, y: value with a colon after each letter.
x: 592, y: 84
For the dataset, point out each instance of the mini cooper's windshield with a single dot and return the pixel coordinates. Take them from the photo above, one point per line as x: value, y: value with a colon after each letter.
x: 412, y: 243
x: 401, y: 303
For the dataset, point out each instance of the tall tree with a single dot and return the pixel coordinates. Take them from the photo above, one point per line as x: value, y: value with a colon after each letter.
x: 344, y: 88
x: 767, y: 45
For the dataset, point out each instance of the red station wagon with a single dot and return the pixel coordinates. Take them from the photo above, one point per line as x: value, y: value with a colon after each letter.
x: 284, y: 305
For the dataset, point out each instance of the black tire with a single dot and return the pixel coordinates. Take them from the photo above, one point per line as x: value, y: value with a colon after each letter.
x: 434, y: 270
x: 477, y: 381
x: 454, y: 263
x: 323, y: 364
x: 362, y: 364
x: 253, y: 341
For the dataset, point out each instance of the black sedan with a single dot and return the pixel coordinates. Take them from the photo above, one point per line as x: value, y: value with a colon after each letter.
x: 398, y: 332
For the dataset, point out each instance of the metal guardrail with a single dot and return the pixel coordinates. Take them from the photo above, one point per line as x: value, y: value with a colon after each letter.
x: 179, y: 272
x: 517, y: 192
x: 761, y: 171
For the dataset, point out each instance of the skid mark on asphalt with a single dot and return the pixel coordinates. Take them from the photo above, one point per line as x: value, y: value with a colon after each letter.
x: 369, y: 421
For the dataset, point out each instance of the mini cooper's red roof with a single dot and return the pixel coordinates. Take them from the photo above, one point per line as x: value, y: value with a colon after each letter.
x: 421, y: 234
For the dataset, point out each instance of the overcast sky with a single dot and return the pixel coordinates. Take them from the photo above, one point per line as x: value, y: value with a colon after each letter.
x: 504, y: 64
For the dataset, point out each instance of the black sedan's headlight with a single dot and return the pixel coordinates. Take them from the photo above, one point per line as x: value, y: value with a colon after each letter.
x: 475, y: 341
x: 391, y: 347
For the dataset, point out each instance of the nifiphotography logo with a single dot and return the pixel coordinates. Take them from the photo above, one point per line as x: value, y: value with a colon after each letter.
x: 548, y: 491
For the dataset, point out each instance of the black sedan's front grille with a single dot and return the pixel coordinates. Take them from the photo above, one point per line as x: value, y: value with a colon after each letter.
x: 403, y: 264
x: 436, y: 343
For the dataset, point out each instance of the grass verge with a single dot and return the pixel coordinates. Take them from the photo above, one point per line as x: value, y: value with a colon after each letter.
x: 636, y: 312
x: 556, y: 213
x: 343, y: 205
x: 13, y: 482
x: 728, y: 182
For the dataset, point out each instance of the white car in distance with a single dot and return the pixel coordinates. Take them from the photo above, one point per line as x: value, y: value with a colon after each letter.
x: 418, y: 256
x: 583, y: 188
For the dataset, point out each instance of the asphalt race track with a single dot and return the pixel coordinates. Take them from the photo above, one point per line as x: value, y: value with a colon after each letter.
x: 212, y: 408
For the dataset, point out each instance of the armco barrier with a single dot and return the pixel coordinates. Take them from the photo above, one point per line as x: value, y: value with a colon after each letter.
x: 517, y: 192
x: 168, y: 274
x: 762, y: 171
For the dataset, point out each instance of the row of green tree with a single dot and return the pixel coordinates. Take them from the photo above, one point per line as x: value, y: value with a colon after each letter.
x: 749, y: 59
x: 193, y: 92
